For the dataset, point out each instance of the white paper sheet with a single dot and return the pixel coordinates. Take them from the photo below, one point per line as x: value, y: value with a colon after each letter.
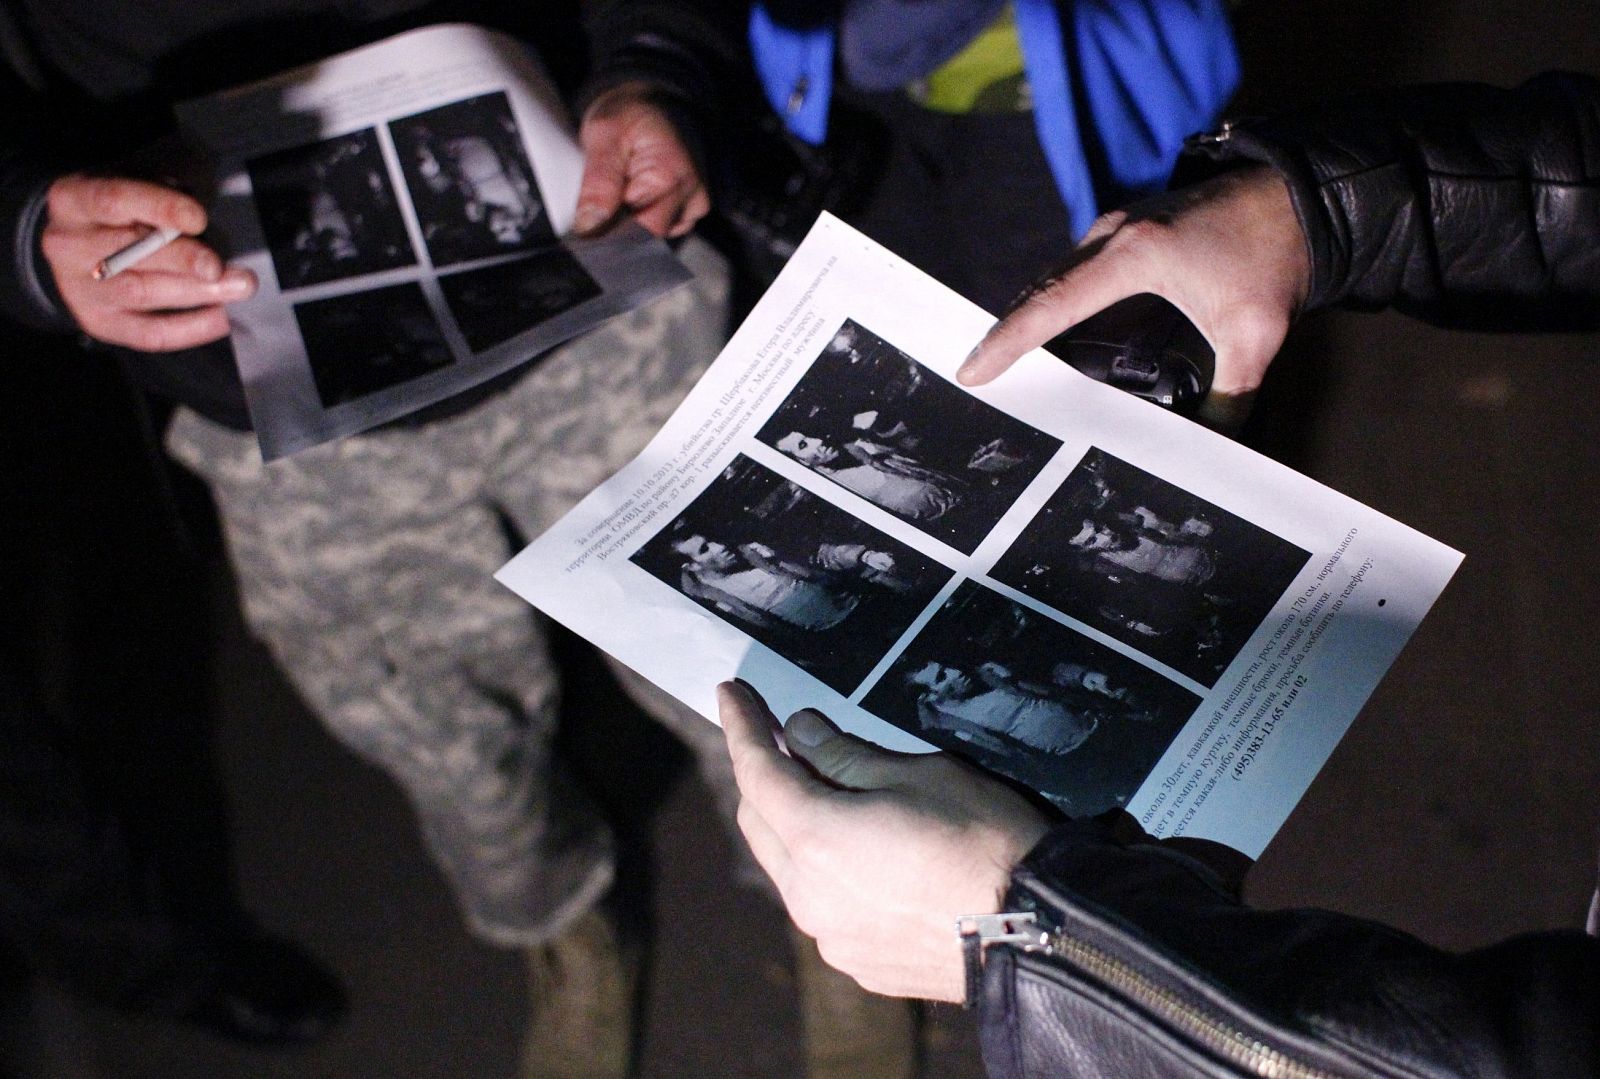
x: 1101, y: 599
x: 401, y: 206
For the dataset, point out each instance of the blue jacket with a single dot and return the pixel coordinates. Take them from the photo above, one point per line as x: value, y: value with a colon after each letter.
x: 1152, y: 72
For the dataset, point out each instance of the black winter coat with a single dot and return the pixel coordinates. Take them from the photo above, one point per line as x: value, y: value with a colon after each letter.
x: 1466, y: 204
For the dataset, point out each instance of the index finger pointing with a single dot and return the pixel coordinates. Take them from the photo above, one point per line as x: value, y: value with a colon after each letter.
x: 778, y: 787
x: 117, y: 201
x: 1048, y: 308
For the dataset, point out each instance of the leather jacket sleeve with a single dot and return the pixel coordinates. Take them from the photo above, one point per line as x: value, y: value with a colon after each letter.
x: 30, y: 160
x: 1463, y: 203
x: 27, y: 293
x: 1142, y: 964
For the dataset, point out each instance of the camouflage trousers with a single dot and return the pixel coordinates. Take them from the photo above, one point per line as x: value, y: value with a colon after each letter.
x: 365, y: 566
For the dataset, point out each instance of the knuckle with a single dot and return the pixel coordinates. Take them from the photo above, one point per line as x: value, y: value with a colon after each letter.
x: 1138, y: 238
x: 831, y: 952
x: 803, y: 846
x: 103, y: 198
x: 1256, y: 329
x: 811, y: 853
x: 54, y: 243
x: 1105, y: 225
x: 174, y: 207
x: 801, y: 914
x: 746, y: 815
x: 1041, y: 296
x: 58, y: 198
x: 600, y: 131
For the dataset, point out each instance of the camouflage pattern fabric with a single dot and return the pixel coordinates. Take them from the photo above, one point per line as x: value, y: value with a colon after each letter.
x: 365, y: 566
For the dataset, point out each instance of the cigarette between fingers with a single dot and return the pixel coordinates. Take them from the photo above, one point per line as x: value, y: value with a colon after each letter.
x: 134, y: 253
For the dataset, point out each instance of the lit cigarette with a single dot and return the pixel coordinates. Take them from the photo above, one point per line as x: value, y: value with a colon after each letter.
x: 134, y: 253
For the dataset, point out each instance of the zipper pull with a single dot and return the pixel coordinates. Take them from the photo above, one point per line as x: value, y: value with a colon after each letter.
x: 797, y: 96
x: 978, y: 931
x: 1222, y: 134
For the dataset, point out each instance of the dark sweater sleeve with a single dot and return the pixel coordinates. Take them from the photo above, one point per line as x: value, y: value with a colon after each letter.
x: 28, y: 166
x: 1464, y: 203
x: 1153, y: 961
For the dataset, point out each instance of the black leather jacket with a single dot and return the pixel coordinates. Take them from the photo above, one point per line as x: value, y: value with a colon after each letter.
x: 1465, y: 204
x: 1455, y: 202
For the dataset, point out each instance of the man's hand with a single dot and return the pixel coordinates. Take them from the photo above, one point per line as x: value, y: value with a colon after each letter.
x: 875, y: 853
x: 1228, y: 253
x: 634, y: 161
x: 173, y: 299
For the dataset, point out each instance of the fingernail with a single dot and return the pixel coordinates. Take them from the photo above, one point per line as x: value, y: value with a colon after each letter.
x: 807, y: 728
x: 235, y: 285
x: 589, y: 217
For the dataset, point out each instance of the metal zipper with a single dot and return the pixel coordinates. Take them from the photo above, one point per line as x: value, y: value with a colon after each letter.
x: 797, y: 95
x: 1222, y: 134
x: 1215, y: 1034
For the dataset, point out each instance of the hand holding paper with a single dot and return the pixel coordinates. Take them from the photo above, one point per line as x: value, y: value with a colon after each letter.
x: 1106, y: 602
x: 875, y: 853
x: 1229, y: 254
x: 635, y: 160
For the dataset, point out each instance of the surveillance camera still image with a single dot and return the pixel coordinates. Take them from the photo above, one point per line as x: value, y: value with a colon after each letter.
x: 365, y: 342
x: 821, y: 588
x: 1151, y: 565
x: 470, y: 180
x: 879, y: 424
x: 329, y: 212
x: 1020, y: 694
x: 495, y: 303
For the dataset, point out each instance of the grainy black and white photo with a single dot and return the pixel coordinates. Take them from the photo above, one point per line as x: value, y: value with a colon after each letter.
x: 364, y: 342
x: 1021, y: 694
x: 821, y: 588
x: 328, y: 211
x: 1152, y: 565
x: 495, y: 303
x: 471, y: 183
x: 880, y: 424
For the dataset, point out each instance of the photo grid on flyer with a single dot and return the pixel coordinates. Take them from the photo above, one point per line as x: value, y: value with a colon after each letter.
x: 403, y: 207
x: 1145, y: 615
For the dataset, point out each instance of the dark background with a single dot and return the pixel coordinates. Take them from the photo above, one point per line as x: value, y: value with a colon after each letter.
x: 1461, y: 806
